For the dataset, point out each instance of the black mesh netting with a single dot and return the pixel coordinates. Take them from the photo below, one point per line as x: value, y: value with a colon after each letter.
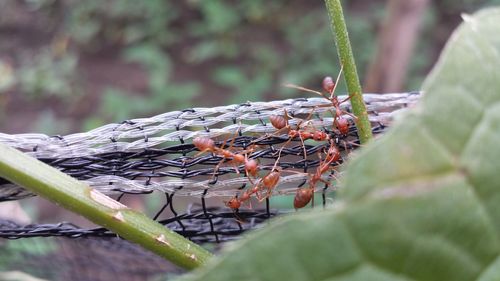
x: 156, y: 156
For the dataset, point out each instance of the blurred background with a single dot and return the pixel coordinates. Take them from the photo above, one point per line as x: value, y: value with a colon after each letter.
x: 68, y: 66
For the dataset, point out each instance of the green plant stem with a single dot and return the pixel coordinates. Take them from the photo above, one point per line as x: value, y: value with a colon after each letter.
x: 78, y: 197
x: 346, y: 58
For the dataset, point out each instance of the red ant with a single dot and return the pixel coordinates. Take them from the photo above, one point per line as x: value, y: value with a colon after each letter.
x: 268, y: 182
x: 235, y: 202
x: 304, y: 195
x: 341, y: 123
x: 281, y: 122
x: 204, y: 144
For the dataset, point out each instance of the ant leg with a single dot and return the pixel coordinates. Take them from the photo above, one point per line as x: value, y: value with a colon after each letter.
x: 336, y: 82
x: 311, y: 113
x: 335, y: 117
x: 250, y: 179
x: 237, y: 217
x: 278, y: 131
x: 303, y: 147
x: 293, y: 86
x: 249, y: 174
x: 345, y: 147
x: 216, y: 169
x: 221, y: 149
x: 350, y: 143
x: 249, y: 203
x: 344, y: 100
x: 201, y: 152
x: 274, y: 180
x: 262, y: 198
x: 350, y: 114
x: 313, y: 192
x: 300, y: 136
x: 233, y: 139
x: 326, y: 182
x: 279, y: 155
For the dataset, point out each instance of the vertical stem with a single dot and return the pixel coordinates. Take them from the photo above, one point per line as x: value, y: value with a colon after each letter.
x: 346, y: 58
x: 78, y: 197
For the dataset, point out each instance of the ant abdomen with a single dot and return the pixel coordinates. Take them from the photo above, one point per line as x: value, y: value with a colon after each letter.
x: 278, y: 122
x: 271, y: 180
x: 302, y: 197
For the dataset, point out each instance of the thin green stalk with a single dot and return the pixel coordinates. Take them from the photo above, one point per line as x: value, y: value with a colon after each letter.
x: 78, y: 197
x: 346, y: 58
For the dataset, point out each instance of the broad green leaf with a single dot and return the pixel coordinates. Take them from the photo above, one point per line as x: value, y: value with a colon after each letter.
x: 421, y: 203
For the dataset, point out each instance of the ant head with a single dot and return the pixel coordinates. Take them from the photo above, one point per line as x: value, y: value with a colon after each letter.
x: 252, y: 167
x: 333, y: 153
x: 320, y: 135
x: 328, y: 84
x: 203, y: 143
x: 233, y: 203
x: 342, y: 125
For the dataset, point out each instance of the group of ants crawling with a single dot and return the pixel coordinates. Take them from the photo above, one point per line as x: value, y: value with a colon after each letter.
x: 263, y: 187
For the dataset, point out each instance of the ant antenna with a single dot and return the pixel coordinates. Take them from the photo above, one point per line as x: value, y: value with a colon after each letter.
x: 336, y: 82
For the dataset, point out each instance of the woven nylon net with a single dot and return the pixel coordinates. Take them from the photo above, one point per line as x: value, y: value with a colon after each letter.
x: 157, y: 156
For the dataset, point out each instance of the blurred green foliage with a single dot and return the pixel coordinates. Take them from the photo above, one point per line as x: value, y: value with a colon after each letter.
x: 164, y: 91
x: 6, y: 76
x: 238, y: 50
x: 14, y: 252
x: 51, y: 124
x: 95, y: 24
x: 47, y: 74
